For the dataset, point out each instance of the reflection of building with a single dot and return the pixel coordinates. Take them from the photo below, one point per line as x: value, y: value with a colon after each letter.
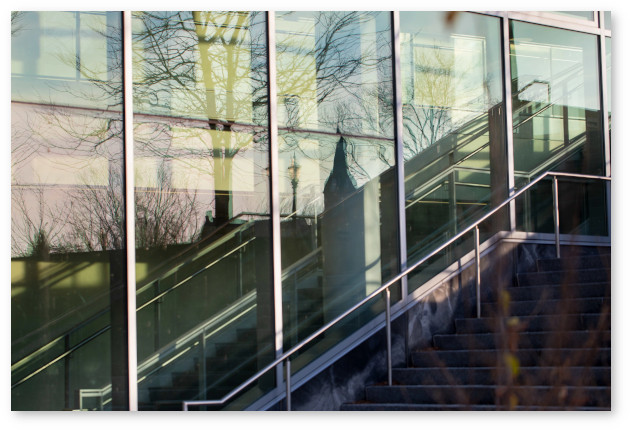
x: 256, y: 223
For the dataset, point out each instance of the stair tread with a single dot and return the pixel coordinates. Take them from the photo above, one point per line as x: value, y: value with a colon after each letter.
x: 366, y: 406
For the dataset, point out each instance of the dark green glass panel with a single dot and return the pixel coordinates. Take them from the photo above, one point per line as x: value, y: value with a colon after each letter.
x: 67, y: 244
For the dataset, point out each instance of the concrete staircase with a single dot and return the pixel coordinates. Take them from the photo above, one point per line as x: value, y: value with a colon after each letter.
x: 542, y: 344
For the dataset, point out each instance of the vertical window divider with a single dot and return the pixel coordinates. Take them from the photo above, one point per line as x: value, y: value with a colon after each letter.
x: 130, y: 227
x: 509, y: 125
x: 603, y: 78
x: 275, y: 191
x: 400, y: 161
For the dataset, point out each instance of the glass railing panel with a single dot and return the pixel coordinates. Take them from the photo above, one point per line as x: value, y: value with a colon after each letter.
x: 453, y: 128
x: 581, y: 206
x: 202, y: 203
x: 67, y: 252
x: 336, y: 150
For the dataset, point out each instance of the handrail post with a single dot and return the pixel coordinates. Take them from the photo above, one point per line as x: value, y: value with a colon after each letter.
x: 556, y: 215
x: 287, y: 378
x: 388, y: 330
x: 477, y: 272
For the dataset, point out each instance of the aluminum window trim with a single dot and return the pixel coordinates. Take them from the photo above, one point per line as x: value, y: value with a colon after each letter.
x: 274, y: 179
x: 130, y: 225
x: 399, y: 150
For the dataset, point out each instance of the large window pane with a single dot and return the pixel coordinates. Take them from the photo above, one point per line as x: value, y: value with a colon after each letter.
x: 67, y: 211
x: 336, y: 164
x: 557, y: 123
x: 202, y: 203
x: 453, y: 120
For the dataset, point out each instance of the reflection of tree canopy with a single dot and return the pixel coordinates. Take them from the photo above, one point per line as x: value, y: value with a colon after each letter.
x: 201, y: 93
x: 336, y: 69
x: 335, y: 76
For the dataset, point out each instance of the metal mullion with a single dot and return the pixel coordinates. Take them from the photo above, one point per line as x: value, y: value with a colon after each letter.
x: 130, y: 226
x: 400, y: 161
x: 604, y: 98
x: 603, y: 79
x: 509, y: 131
x: 274, y: 170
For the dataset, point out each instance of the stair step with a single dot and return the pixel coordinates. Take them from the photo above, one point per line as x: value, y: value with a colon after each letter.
x: 573, y: 263
x: 549, y: 307
x: 533, y: 323
x: 532, y: 375
x: 488, y: 394
x: 563, y: 277
x: 526, y: 357
x: 522, y: 340
x: 554, y: 292
x: 364, y: 407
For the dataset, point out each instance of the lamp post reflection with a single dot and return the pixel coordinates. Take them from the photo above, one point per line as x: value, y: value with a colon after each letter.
x: 294, y: 175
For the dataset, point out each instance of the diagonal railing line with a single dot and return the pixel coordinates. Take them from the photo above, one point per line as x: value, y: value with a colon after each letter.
x: 285, y: 357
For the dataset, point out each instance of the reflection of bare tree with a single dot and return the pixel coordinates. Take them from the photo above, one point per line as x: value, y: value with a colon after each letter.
x: 335, y: 78
x: 164, y: 215
x: 428, y: 116
x: 38, y: 228
x: 16, y: 22
x: 205, y: 65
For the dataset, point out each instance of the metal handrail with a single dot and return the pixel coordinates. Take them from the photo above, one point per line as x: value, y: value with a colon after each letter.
x: 385, y: 288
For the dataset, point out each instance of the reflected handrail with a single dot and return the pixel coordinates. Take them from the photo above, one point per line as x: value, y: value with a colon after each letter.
x: 384, y: 288
x: 42, y: 349
x: 152, y: 363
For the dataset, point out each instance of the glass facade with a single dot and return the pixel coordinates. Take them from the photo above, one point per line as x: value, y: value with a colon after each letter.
x: 453, y: 125
x: 433, y: 118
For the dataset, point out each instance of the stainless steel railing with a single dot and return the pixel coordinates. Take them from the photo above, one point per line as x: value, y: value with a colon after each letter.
x: 285, y: 357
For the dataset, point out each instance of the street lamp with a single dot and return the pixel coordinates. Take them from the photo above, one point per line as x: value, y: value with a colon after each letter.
x: 294, y: 175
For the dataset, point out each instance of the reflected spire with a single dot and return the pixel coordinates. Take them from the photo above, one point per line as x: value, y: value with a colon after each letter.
x: 340, y: 183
